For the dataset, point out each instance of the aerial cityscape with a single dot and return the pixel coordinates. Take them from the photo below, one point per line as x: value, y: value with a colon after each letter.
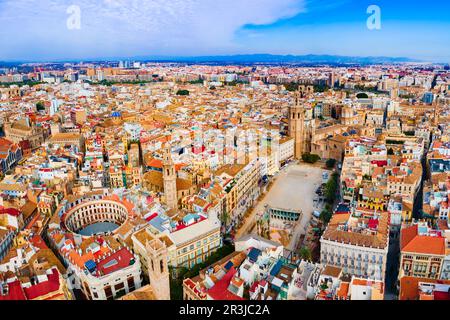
x: 197, y: 170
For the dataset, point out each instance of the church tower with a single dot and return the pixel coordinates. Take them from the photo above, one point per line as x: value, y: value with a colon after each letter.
x: 158, y: 270
x: 347, y: 117
x: 297, y: 126
x: 169, y: 179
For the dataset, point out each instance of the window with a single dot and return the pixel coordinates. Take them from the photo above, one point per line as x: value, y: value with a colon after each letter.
x: 108, y: 293
x: 119, y: 286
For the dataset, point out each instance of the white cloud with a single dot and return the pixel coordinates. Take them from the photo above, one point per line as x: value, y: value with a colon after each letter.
x: 124, y: 27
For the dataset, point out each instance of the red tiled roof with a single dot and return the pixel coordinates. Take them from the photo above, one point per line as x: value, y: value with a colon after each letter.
x: 151, y: 217
x: 254, y: 286
x: 25, y: 144
x: 157, y: 163
x: 220, y: 290
x: 411, y: 241
x: 45, y: 287
x: 116, y: 261
x: 5, y: 142
x: 407, y: 234
x: 38, y: 242
x: 379, y: 163
x: 33, y: 221
x: 441, y: 295
x: 15, y: 292
x: 181, y: 225
x: 409, y: 287
x: 373, y: 224
x: 427, y: 245
x: 10, y: 211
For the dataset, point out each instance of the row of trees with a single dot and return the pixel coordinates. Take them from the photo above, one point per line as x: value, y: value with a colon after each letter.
x: 331, y: 188
x: 30, y: 83
x: 313, y: 158
x: 310, y: 157
x: 111, y: 83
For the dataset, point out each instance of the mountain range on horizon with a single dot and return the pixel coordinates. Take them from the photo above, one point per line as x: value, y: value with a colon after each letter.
x: 254, y: 59
x: 284, y: 59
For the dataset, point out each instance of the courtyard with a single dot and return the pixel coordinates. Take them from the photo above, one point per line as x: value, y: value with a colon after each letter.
x: 293, y: 188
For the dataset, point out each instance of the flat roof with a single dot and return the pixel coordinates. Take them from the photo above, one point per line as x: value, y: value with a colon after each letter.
x: 187, y: 234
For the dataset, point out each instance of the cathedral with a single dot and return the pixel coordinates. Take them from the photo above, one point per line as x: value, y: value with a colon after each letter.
x: 24, y: 129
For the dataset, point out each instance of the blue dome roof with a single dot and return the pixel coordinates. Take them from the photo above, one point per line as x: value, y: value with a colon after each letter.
x: 116, y: 114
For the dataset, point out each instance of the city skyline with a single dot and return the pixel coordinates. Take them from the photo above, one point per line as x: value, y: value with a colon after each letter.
x: 90, y: 30
x: 243, y: 151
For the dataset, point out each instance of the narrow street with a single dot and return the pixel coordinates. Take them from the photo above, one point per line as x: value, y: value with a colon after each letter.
x: 418, y: 201
x: 392, y: 267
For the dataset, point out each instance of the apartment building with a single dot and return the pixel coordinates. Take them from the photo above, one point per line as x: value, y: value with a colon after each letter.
x: 357, y: 242
x: 422, y: 251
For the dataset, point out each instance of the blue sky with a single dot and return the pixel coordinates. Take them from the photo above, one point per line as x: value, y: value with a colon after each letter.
x: 37, y: 29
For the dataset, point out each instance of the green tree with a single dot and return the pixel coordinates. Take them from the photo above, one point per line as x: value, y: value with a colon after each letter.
x: 310, y: 158
x: 291, y: 86
x: 321, y: 88
x: 362, y: 95
x: 330, y: 163
x: 331, y: 188
x: 224, y: 217
x: 40, y: 106
x: 182, y: 92
x: 325, y: 216
x: 198, y: 81
x: 306, y: 254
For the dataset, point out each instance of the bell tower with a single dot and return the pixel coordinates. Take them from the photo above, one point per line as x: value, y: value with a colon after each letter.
x: 297, y: 125
x: 158, y: 270
x: 169, y: 179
